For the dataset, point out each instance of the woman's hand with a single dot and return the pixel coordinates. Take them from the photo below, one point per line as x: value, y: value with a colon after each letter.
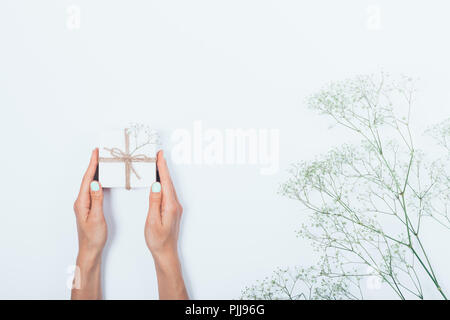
x: 92, y: 235
x: 161, y: 234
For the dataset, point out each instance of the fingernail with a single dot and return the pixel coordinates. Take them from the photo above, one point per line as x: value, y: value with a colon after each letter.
x: 156, y: 187
x: 95, y: 186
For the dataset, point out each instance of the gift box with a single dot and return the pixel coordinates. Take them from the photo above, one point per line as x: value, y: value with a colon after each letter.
x: 127, y: 157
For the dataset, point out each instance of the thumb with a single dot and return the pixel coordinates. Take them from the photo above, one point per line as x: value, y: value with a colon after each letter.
x: 154, y: 210
x: 96, y: 192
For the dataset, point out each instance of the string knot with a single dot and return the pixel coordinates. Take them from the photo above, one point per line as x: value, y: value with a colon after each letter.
x: 127, y: 158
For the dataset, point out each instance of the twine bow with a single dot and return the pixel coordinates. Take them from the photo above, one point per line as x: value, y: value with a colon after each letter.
x: 127, y: 158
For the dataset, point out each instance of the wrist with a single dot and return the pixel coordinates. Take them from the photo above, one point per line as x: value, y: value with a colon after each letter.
x: 169, y: 275
x: 88, y: 259
x: 167, y: 262
x: 87, y: 278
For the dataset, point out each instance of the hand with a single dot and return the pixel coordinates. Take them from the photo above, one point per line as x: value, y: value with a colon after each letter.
x: 88, y: 208
x: 164, y: 215
x: 92, y: 233
x: 161, y: 234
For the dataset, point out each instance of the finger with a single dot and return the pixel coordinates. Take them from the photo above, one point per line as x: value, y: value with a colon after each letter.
x: 168, y: 189
x: 170, y: 201
x: 96, y: 192
x: 154, y: 210
x: 83, y: 196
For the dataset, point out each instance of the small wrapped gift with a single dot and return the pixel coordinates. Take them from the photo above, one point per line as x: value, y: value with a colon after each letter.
x: 127, y: 157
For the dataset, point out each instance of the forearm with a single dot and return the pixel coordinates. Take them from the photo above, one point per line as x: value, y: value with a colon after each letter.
x: 87, y: 280
x: 170, y: 278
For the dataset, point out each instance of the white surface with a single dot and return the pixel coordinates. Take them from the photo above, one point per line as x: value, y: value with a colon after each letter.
x: 229, y: 64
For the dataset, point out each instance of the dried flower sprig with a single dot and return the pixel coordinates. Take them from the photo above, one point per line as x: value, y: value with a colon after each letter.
x: 367, y: 203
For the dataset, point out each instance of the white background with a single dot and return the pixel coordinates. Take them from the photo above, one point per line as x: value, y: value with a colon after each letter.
x: 230, y: 64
